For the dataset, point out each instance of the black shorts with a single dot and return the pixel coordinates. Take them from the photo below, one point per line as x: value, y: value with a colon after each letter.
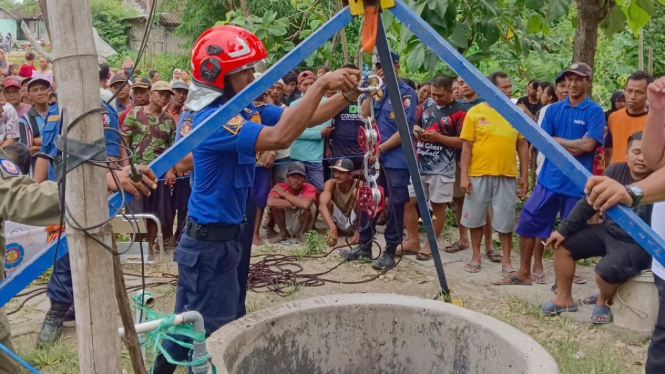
x: 621, y: 259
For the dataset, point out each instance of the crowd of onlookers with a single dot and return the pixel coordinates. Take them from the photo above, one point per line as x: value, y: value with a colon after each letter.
x: 474, y: 161
x: 470, y: 160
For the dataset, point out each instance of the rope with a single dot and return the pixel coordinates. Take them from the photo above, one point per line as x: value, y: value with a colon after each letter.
x: 637, y: 312
x: 166, y: 330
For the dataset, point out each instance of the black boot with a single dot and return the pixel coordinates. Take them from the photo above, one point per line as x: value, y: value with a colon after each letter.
x: 71, y: 314
x: 52, y: 327
x: 162, y: 366
x: 385, y: 262
x: 356, y: 253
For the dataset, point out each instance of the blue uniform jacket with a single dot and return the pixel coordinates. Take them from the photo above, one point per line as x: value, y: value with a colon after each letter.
x: 224, y: 164
x: 385, y: 119
x: 52, y: 129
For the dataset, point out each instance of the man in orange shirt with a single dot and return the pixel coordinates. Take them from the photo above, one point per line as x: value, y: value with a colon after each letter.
x: 629, y: 120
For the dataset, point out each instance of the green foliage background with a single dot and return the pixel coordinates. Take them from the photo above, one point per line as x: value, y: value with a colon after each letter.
x: 529, y: 39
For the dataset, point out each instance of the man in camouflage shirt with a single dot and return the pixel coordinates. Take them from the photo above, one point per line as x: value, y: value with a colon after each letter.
x: 149, y: 131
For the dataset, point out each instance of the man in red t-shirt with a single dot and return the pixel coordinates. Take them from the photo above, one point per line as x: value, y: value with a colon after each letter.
x: 292, y: 205
x: 28, y: 66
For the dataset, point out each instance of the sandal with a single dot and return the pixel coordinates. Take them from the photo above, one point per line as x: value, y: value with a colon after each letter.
x: 511, y: 281
x: 551, y: 309
x: 494, y: 255
x: 538, y: 278
x: 472, y: 268
x: 455, y: 247
x: 590, y: 300
x: 578, y: 279
x: 506, y: 273
x: 601, y: 315
x: 423, y: 256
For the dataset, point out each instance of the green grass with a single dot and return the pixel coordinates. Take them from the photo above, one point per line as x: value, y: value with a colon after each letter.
x: 315, y: 244
x: 56, y: 359
x: 43, y: 279
x: 566, y: 342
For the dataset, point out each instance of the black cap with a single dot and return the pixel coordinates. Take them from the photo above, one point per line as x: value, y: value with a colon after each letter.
x: 559, y: 76
x: 290, y: 77
x: 142, y: 83
x: 118, y: 79
x: 343, y: 164
x: 296, y: 168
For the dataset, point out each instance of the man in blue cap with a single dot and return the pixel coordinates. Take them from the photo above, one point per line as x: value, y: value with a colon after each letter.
x: 393, y: 161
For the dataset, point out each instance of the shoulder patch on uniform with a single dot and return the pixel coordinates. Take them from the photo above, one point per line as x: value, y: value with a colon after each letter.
x: 9, y: 167
x: 52, y: 118
x: 256, y: 118
x: 106, y: 119
x: 407, y: 102
x: 235, y: 124
x: 186, y: 126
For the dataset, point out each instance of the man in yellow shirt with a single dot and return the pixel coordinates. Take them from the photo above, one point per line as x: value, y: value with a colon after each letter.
x: 489, y: 172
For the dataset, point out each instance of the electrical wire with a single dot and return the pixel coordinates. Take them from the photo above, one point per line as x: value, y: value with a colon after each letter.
x: 63, y: 206
x: 144, y: 44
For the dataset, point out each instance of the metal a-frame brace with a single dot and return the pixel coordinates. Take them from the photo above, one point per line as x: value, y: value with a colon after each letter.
x: 628, y: 220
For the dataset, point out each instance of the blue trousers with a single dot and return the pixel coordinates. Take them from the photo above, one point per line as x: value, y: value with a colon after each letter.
x: 207, y: 283
x: 246, y: 236
x: 60, y: 291
x: 398, y: 185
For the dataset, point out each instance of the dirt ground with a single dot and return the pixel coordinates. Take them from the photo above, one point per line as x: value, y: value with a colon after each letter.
x: 576, y: 344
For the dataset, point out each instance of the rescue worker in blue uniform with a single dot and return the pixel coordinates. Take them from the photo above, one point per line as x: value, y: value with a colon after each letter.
x: 183, y: 188
x: 393, y: 164
x: 59, y: 289
x: 209, y: 250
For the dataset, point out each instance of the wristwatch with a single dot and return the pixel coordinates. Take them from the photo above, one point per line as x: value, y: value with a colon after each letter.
x: 636, y: 193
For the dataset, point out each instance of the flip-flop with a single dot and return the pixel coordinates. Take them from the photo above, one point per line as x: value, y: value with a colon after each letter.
x: 455, y: 247
x: 472, y: 268
x: 601, y: 311
x: 590, y: 300
x: 539, y: 278
x: 578, y: 279
x: 423, y: 256
x: 506, y: 273
x: 512, y: 281
x: 494, y: 255
x: 551, y: 309
x: 409, y: 253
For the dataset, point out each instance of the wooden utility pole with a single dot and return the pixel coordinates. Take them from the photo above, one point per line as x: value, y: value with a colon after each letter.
x: 76, y: 69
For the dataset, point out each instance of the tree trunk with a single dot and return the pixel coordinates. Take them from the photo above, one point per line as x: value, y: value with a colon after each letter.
x: 345, y: 46
x: 590, y: 15
x: 245, y: 8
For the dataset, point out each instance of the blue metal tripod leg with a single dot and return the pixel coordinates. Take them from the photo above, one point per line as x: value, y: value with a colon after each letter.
x: 16, y: 282
x: 625, y: 217
x: 407, y: 145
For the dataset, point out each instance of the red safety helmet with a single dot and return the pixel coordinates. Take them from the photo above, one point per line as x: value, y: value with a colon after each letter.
x: 224, y: 50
